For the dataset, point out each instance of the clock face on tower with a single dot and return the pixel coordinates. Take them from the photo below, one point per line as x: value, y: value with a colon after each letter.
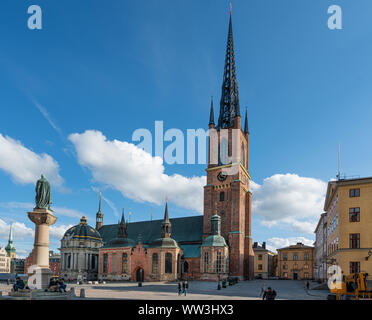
x: 222, y: 176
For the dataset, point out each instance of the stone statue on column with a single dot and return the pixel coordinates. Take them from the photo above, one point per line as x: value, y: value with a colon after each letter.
x: 43, y: 217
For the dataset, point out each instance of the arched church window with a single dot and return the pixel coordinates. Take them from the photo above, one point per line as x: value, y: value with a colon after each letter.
x: 242, y: 158
x: 224, y: 152
x: 155, y: 263
x: 105, y: 263
x: 124, y: 263
x: 168, y: 263
x: 219, y: 262
x: 206, y: 261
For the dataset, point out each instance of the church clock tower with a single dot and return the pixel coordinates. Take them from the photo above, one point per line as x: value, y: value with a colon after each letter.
x: 227, y: 190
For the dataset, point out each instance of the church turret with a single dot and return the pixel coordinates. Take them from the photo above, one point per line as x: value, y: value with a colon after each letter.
x: 99, y: 215
x: 10, y: 248
x: 166, y: 226
x: 122, y: 229
x: 229, y: 105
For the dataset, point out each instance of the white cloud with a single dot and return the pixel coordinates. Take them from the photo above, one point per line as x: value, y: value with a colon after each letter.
x: 134, y: 172
x: 57, y: 231
x: 20, y: 231
x: 276, y: 243
x: 289, y: 199
x: 58, y: 211
x: 24, y: 165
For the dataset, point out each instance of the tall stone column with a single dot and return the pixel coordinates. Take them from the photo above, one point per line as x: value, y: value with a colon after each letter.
x: 42, y: 216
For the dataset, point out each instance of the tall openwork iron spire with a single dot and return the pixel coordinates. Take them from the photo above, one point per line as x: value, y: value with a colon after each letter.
x: 229, y: 105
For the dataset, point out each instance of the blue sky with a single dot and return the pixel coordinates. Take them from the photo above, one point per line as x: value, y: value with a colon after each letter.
x: 118, y: 66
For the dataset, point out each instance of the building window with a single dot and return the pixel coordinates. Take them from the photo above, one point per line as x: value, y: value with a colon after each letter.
x: 306, y: 256
x: 206, y: 261
x: 354, y: 267
x: 222, y: 196
x: 260, y: 267
x: 285, y: 274
x: 306, y: 266
x: 354, y: 193
x: 168, y: 263
x: 105, y: 263
x: 219, y: 263
x: 124, y: 263
x: 295, y: 257
x: 155, y: 263
x: 284, y: 267
x: 260, y: 257
x: 285, y: 257
x: 354, y: 240
x: 354, y: 214
x: 69, y: 262
x: 306, y: 275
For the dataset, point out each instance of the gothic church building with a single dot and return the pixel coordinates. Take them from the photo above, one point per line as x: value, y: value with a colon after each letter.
x: 208, y: 247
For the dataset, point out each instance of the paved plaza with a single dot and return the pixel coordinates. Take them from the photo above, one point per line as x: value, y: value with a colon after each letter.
x: 198, y: 290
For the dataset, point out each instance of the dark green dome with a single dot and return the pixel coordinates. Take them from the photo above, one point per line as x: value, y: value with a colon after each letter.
x: 214, y: 241
x: 82, y: 231
x: 164, y: 243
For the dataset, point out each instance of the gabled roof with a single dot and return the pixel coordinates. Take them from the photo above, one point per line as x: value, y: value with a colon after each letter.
x: 187, y: 229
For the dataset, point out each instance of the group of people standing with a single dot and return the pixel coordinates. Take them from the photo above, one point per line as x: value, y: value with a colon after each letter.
x: 183, y: 287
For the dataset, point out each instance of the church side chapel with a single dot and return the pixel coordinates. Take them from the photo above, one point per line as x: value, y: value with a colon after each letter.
x: 212, y: 246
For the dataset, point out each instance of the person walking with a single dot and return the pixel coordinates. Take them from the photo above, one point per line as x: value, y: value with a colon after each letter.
x: 179, y: 288
x: 307, y: 285
x: 269, y: 294
x: 186, y: 283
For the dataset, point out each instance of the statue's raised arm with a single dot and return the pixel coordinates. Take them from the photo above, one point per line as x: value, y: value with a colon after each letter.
x: 43, y: 197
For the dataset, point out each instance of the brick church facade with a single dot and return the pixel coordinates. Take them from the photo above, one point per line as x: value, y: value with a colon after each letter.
x: 215, y: 245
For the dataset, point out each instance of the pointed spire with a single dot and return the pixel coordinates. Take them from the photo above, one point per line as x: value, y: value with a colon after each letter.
x: 166, y: 217
x: 246, y: 130
x: 10, y: 248
x: 99, y: 214
x: 11, y: 234
x: 122, y: 227
x: 100, y: 201
x: 122, y: 217
x: 229, y: 105
x: 166, y: 226
x: 211, y: 116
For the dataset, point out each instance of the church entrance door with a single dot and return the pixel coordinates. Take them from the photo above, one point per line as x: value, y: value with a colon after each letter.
x: 139, y: 275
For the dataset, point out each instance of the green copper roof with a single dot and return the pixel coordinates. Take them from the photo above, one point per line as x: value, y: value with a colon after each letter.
x: 189, y: 229
x: 191, y: 250
x: 164, y: 243
x: 214, y: 241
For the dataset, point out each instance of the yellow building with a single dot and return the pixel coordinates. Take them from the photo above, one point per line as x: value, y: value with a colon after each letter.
x: 296, y: 262
x: 264, y: 262
x: 349, y: 225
